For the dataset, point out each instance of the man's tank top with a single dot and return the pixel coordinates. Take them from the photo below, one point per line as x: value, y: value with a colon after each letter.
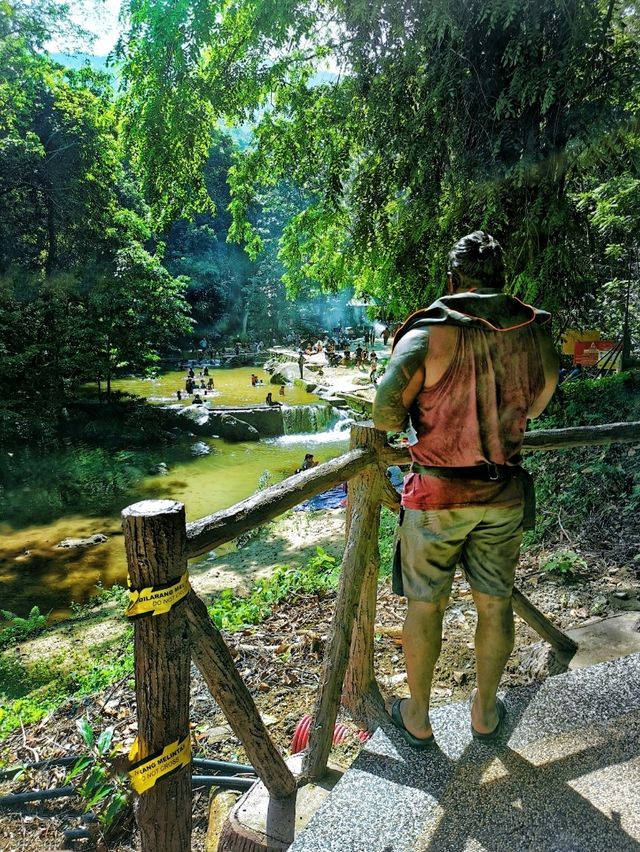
x: 476, y: 413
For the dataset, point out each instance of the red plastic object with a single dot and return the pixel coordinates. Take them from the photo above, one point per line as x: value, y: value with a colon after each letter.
x: 341, y: 734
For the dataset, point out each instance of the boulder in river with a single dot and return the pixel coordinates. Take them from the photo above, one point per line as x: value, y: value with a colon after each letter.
x: 200, y: 449
x: 198, y: 417
x: 285, y: 374
x: 90, y: 541
x: 233, y: 429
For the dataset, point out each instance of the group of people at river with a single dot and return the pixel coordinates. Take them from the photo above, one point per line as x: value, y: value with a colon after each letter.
x: 196, y: 385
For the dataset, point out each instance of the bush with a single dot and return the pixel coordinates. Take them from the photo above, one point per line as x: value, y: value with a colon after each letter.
x: 19, y: 628
x: 231, y: 612
x: 589, y: 489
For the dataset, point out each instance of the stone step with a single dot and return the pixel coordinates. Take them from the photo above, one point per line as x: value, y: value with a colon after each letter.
x: 565, y: 777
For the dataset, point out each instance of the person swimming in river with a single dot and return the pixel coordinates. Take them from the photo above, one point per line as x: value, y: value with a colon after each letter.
x: 281, y: 391
x: 271, y: 401
x: 197, y: 400
x: 308, y: 463
x: 205, y: 372
x: 179, y: 395
x: 254, y: 380
x: 210, y: 384
x: 191, y: 374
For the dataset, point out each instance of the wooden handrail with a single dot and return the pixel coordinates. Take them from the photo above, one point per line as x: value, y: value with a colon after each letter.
x: 581, y: 436
x: 158, y: 544
x: 551, y: 439
x: 213, y: 530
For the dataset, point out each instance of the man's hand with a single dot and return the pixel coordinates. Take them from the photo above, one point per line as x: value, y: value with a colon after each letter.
x: 402, y: 382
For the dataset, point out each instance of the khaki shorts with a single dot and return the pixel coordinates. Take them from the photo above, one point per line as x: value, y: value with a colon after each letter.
x: 485, y: 540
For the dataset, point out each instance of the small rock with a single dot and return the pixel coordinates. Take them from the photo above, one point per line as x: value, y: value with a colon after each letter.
x: 218, y: 734
x: 160, y: 469
x: 200, y: 449
x: 459, y: 677
x: 393, y: 680
x: 96, y: 538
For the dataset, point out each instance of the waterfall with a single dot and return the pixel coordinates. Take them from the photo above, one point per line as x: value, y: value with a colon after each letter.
x: 332, y: 425
x: 305, y: 419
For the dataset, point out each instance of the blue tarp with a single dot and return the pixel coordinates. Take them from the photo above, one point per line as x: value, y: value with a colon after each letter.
x: 335, y: 498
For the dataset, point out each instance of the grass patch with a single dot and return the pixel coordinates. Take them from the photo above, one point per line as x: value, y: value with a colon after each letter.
x: 230, y: 611
x: 30, y: 692
x: 18, y: 629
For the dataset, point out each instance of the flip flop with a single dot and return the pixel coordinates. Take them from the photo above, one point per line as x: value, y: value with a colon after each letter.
x: 414, y: 742
x: 493, y: 735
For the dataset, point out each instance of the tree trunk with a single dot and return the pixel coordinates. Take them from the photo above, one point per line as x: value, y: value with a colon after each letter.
x: 626, y: 331
x: 155, y: 542
x: 52, y: 247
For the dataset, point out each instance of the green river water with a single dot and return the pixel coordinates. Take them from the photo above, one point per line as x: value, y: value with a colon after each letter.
x: 33, y: 571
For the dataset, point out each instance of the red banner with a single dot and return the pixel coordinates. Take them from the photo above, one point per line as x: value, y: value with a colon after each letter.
x: 589, y: 352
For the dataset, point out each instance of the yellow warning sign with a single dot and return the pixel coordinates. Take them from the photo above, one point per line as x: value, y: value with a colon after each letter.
x: 172, y: 757
x: 157, y: 599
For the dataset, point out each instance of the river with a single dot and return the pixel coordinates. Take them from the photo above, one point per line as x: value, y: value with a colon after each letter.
x: 33, y: 571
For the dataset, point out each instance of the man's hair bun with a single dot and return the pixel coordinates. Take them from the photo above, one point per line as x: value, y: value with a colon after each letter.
x: 479, y: 258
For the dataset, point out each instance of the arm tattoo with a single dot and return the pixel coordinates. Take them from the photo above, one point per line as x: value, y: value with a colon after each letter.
x: 389, y: 411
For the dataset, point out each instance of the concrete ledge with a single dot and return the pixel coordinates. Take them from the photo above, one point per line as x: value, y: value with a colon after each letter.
x: 256, y: 822
x: 564, y: 778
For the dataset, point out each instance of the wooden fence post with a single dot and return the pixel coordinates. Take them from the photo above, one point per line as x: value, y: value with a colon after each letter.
x: 155, y: 541
x: 363, y: 518
x: 541, y: 624
x: 361, y: 694
x: 215, y: 662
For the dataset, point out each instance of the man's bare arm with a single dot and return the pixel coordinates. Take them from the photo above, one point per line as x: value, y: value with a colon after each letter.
x: 402, y: 382
x: 550, y: 365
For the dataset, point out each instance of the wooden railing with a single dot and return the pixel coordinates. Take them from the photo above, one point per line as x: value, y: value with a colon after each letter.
x: 159, y: 543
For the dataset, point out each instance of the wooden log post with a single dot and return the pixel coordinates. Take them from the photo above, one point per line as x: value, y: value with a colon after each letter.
x: 541, y: 624
x: 361, y: 693
x: 155, y: 542
x: 363, y: 520
x: 213, y: 658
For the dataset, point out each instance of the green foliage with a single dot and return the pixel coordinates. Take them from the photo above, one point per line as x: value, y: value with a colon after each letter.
x: 388, y: 523
x: 21, y: 628
x: 79, y: 294
x: 564, y: 563
x: 231, y: 612
x: 104, y: 793
x: 31, y: 691
x: 518, y: 116
x: 589, y: 489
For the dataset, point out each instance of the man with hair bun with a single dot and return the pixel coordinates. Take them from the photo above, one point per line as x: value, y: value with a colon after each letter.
x: 466, y: 372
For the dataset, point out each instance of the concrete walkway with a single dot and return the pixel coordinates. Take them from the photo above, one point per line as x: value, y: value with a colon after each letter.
x: 565, y: 777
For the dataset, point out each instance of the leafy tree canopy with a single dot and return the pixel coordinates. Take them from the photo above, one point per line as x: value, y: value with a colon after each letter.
x: 79, y: 293
x: 510, y: 115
